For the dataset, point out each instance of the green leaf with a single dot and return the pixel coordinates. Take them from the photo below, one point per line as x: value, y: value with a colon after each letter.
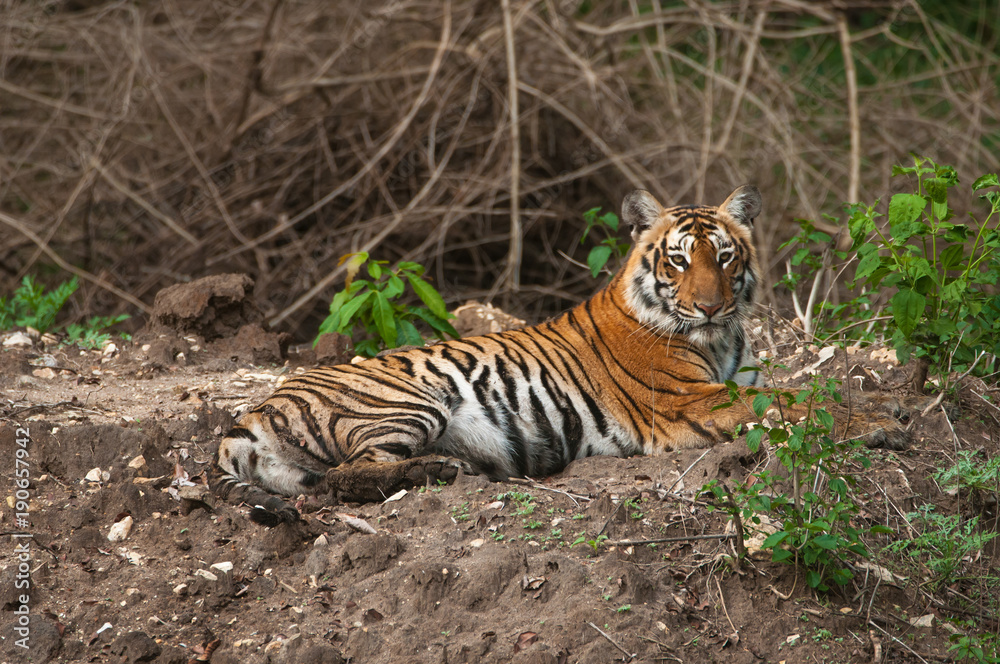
x: 439, y: 325
x: 779, y: 555
x: 394, y: 286
x: 429, y: 296
x: 955, y: 291
x: 861, y: 224
x: 408, y: 334
x: 937, y: 189
x: 869, y: 261
x: 375, y: 270
x: 352, y: 309
x: 610, y: 220
x: 774, y: 539
x: 385, y: 321
x: 951, y: 257
x: 410, y: 266
x: 904, y: 209
x: 907, y: 309
x: 366, y: 348
x: 761, y: 402
x: 828, y: 542
x: 813, y: 578
x: 753, y: 439
x: 598, y: 258
x: 988, y: 180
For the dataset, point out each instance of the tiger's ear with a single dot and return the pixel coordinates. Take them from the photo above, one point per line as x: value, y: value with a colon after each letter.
x: 640, y: 211
x: 744, y: 204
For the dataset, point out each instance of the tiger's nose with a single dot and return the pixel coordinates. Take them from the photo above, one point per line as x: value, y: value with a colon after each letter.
x: 709, y: 309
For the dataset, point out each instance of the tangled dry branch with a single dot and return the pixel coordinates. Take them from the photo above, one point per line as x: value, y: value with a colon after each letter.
x: 144, y: 144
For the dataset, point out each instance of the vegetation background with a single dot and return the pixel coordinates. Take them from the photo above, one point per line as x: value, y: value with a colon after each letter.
x: 145, y: 143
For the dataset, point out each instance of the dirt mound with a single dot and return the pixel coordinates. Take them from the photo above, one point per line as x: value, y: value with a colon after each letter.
x: 212, y: 308
x: 218, y: 310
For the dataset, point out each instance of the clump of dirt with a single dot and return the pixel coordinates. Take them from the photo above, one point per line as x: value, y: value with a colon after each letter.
x: 218, y: 310
x: 610, y: 558
x: 212, y: 308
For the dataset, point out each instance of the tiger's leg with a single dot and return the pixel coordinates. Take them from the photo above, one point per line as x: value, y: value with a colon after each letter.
x: 375, y: 481
x: 878, y: 420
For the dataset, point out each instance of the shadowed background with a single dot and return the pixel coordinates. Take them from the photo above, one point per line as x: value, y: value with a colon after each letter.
x: 146, y: 143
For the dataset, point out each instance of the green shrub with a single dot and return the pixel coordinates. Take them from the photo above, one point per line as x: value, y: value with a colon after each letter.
x: 815, y: 517
x: 374, y: 306
x: 944, y: 308
x: 31, y: 306
x: 610, y: 245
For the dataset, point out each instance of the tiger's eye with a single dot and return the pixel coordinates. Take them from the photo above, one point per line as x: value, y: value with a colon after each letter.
x: 679, y: 261
x: 725, y: 257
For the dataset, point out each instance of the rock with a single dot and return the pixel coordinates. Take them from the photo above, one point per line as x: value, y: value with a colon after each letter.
x: 18, y: 340
x: 119, y: 531
x: 333, y: 349
x: 44, y: 643
x: 136, y: 647
x: 206, y: 575
x: 255, y: 345
x: 194, y: 497
x: 473, y: 319
x: 298, y: 650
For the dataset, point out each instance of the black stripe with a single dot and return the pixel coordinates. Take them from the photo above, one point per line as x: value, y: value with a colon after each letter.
x: 509, y: 381
x: 399, y: 449
x: 241, y: 432
x: 571, y: 355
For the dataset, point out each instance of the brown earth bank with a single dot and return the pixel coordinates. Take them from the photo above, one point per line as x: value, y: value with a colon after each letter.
x: 611, y: 560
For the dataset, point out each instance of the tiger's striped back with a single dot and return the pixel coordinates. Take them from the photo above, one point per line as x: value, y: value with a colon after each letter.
x: 635, y: 369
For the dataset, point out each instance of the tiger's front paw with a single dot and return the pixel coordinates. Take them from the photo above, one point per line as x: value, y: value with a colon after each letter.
x: 376, y: 481
x: 429, y: 470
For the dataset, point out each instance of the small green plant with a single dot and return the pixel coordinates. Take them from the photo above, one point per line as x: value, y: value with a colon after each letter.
x: 624, y: 608
x: 815, y: 518
x: 460, y: 512
x: 944, y: 541
x: 981, y: 649
x: 609, y: 246
x: 497, y: 536
x: 92, y: 334
x: 945, y: 310
x: 973, y: 473
x: 31, y: 306
x: 374, y: 306
x: 634, y: 508
x: 594, y: 543
x: 821, y: 634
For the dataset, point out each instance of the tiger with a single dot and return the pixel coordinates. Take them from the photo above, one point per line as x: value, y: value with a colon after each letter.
x: 636, y: 369
x: 639, y: 368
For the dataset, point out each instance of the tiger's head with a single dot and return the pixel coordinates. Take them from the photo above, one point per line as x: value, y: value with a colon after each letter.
x: 693, y: 269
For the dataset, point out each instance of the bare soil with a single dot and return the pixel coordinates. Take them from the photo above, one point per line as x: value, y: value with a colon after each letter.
x: 469, y: 572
